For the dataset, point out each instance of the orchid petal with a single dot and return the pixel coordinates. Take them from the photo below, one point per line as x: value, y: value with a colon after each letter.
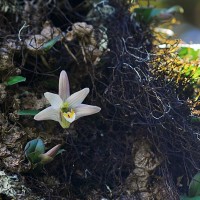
x: 54, y: 99
x: 48, y: 114
x: 85, y: 110
x: 77, y: 98
x: 64, y: 90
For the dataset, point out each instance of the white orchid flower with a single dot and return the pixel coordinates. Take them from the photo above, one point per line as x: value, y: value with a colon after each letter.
x: 64, y: 108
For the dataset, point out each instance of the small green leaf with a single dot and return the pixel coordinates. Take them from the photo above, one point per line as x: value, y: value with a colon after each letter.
x: 143, y: 14
x: 182, y: 52
x: 175, y: 9
x: 147, y: 14
x: 194, y: 188
x: 189, y: 53
x: 188, y: 70
x: 34, y: 157
x: 14, y: 80
x: 34, y: 145
x: 183, y: 197
x: 48, y: 45
x: 28, y: 112
x: 33, y: 150
x: 196, y: 74
x: 44, y: 159
x: 195, y: 119
x: 189, y: 198
x: 60, y: 151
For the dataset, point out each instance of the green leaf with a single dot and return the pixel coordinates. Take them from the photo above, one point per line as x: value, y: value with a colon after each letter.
x: 48, y: 45
x: 195, y: 119
x: 196, y: 74
x: 188, y: 70
x: 60, y: 151
x: 34, y: 157
x: 183, y: 197
x: 153, y: 3
x: 33, y: 150
x: 189, y: 198
x: 147, y: 14
x: 28, y: 112
x: 175, y: 9
x: 190, y: 53
x: 182, y: 52
x: 44, y: 159
x: 194, y: 187
x: 143, y: 14
x: 14, y: 80
x: 34, y: 145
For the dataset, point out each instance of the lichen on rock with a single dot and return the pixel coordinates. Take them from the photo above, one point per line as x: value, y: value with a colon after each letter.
x: 13, y: 187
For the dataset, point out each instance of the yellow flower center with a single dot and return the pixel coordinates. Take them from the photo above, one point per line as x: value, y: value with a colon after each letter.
x: 67, y: 115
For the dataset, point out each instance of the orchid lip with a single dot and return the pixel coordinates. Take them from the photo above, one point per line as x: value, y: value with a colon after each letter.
x: 70, y: 116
